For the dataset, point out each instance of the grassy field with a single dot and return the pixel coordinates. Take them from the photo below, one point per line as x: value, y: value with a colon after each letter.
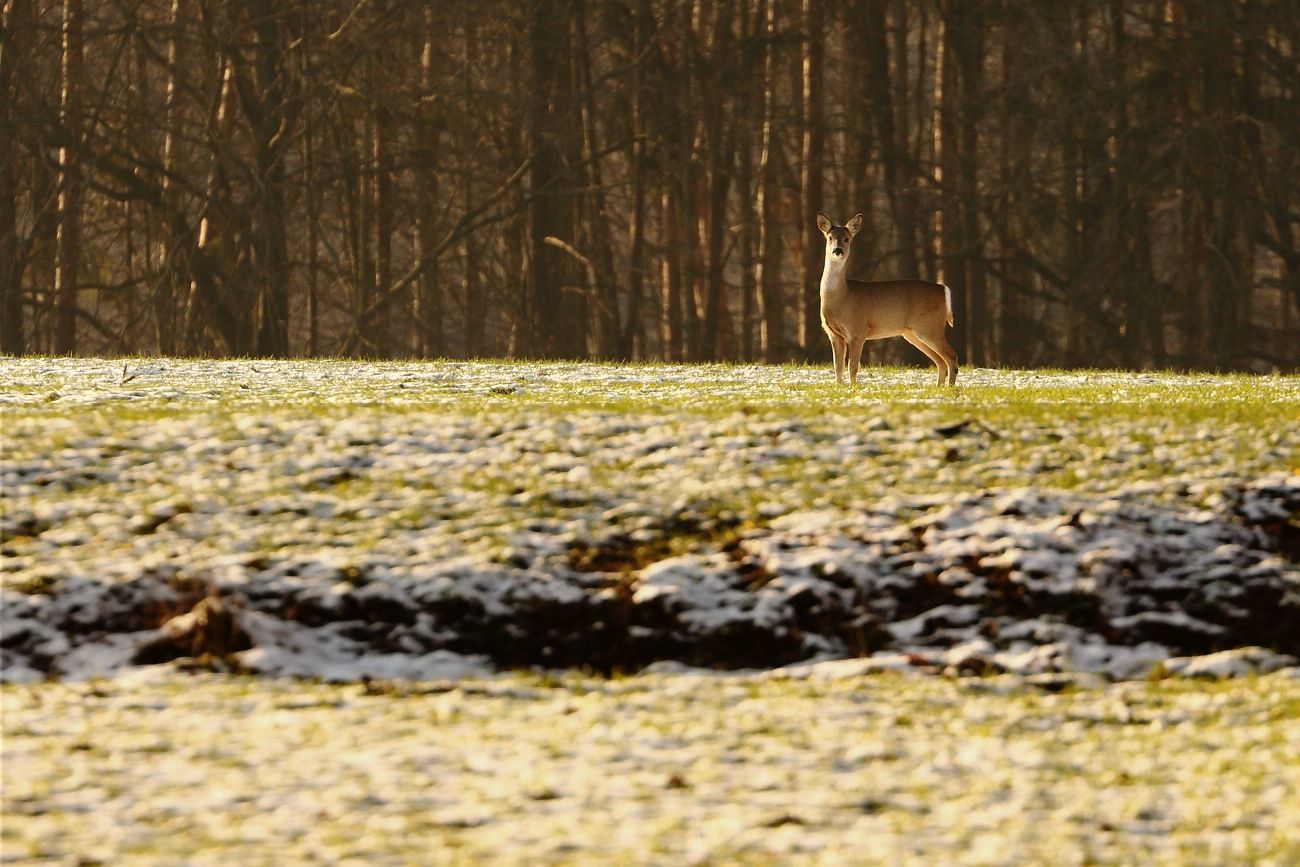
x: 341, y: 491
x: 510, y: 436
x: 813, y: 767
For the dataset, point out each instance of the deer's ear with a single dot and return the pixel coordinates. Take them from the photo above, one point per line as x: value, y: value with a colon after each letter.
x: 854, y: 224
x: 823, y: 223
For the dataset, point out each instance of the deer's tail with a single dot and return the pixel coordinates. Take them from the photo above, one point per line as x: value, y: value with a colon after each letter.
x: 947, y: 297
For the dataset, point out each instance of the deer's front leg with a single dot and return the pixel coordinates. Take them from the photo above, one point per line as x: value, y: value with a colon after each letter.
x: 839, y: 348
x: 855, y: 359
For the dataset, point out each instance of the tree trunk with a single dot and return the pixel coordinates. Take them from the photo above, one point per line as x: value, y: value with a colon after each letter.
x: 559, y: 316
x: 969, y: 44
x: 473, y: 298
x: 718, y: 160
x: 671, y: 338
x: 428, y: 296
x: 906, y: 172
x: 769, y: 241
x: 15, y: 19
x: 633, y: 341
x: 603, y: 295
x: 70, y: 182
x: 750, y: 34
x: 204, y: 307
x: 361, y: 226
x: 172, y: 252
x: 381, y: 327
x: 947, y: 151
x: 311, y: 182
x: 264, y: 97
x: 811, y: 179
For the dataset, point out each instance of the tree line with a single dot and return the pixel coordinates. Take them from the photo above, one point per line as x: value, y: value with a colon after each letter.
x: 1103, y: 182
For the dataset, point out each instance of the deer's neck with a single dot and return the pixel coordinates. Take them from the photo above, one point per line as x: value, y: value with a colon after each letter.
x: 835, y: 276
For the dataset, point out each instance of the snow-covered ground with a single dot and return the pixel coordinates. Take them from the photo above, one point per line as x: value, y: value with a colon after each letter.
x: 340, y: 520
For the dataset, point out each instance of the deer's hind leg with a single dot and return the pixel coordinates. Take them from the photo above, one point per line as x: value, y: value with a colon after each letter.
x: 950, y: 355
x: 931, y: 353
x: 939, y: 345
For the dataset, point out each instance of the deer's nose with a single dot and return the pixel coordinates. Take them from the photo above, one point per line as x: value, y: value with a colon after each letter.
x: 837, y: 252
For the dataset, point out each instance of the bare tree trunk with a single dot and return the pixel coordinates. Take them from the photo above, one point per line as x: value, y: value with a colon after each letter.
x: 632, y: 340
x: 946, y: 149
x: 15, y: 22
x: 11, y: 295
x: 311, y: 182
x: 428, y: 298
x: 1018, y: 343
x: 604, y: 294
x: 264, y: 94
x: 381, y: 326
x: 361, y: 228
x: 872, y: 118
x: 474, y: 300
x: 968, y: 42
x: 811, y: 180
x: 769, y: 241
x: 750, y: 33
x: 719, y: 161
x: 204, y: 306
x: 715, y: 295
x: 906, y: 172
x: 70, y: 182
x: 559, y: 315
x: 12, y: 340
x: 139, y: 252
x: 689, y: 181
x: 688, y: 233
x: 171, y: 249
x: 1075, y: 302
x: 672, y: 277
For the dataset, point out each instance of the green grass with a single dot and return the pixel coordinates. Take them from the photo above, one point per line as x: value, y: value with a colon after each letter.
x: 753, y: 441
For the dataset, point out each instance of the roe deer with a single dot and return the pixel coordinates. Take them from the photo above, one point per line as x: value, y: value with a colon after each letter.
x: 855, y: 311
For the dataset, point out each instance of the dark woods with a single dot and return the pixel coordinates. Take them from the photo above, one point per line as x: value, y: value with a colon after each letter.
x: 1104, y: 182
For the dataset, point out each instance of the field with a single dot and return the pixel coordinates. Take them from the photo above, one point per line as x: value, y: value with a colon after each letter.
x: 468, y: 567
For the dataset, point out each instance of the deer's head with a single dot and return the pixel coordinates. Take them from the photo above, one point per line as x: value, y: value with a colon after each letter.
x: 838, y: 238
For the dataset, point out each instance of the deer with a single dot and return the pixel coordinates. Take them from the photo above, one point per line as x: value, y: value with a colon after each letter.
x: 855, y: 311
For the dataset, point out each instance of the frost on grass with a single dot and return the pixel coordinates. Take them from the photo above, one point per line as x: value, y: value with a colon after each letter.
x: 344, y: 520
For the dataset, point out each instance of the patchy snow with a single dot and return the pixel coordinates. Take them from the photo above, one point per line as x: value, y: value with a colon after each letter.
x: 1238, y: 662
x: 433, y: 524
x: 288, y: 649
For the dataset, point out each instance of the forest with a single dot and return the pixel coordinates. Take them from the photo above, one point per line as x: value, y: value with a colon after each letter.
x: 1104, y: 183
